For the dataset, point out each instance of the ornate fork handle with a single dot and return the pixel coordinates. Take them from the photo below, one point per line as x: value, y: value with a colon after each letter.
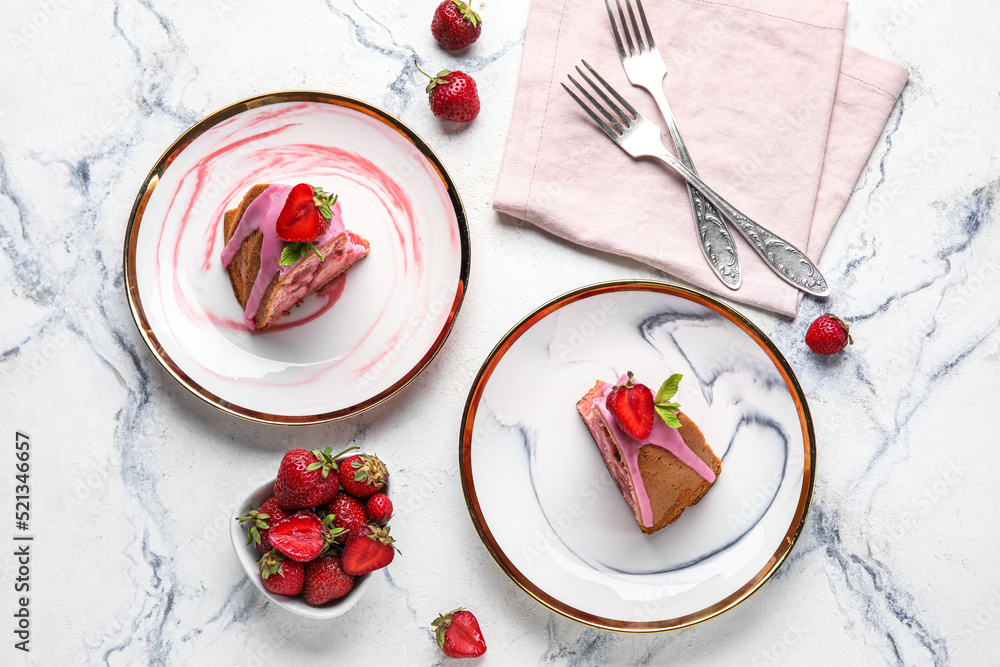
x: 787, y: 261
x: 715, y: 239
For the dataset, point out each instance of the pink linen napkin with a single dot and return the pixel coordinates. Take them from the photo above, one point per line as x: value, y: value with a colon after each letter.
x: 779, y: 115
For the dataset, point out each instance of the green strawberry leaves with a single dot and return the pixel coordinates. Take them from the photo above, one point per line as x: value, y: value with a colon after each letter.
x: 435, y: 81
x: 324, y: 202
x: 271, y: 564
x: 467, y: 12
x: 325, y: 461
x: 296, y: 250
x: 662, y: 403
x: 258, y: 522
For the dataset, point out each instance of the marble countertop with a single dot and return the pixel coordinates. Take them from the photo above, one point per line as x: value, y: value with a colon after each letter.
x: 134, y: 479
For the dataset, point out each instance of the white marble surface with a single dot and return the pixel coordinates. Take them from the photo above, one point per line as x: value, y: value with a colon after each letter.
x: 133, y: 479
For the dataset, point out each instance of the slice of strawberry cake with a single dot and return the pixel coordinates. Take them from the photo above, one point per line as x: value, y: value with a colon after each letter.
x: 284, y: 243
x: 657, y: 456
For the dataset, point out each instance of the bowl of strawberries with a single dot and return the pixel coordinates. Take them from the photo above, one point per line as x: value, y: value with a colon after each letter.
x: 310, y: 538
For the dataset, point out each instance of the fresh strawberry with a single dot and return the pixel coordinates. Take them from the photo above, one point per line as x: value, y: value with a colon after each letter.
x: 455, y: 25
x: 458, y: 634
x: 368, y: 549
x: 281, y: 576
x: 299, y: 219
x: 379, y: 508
x: 453, y: 96
x: 260, y: 522
x: 362, y: 475
x: 631, y: 404
x: 300, y: 536
x: 828, y: 334
x: 307, y: 479
x: 348, y: 512
x: 326, y: 580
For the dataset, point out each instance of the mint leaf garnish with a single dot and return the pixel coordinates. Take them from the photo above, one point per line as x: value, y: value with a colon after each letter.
x: 662, y: 403
x: 295, y: 251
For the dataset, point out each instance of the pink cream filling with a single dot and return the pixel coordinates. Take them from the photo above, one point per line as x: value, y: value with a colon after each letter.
x: 662, y: 436
x: 262, y: 215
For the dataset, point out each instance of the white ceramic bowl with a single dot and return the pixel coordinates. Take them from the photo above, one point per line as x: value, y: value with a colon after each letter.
x: 248, y: 557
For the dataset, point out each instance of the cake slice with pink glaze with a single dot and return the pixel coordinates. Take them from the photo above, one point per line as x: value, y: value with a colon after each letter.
x: 659, y: 476
x: 265, y: 289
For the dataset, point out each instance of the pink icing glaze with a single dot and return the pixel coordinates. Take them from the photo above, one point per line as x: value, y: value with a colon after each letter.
x: 662, y: 436
x: 262, y: 215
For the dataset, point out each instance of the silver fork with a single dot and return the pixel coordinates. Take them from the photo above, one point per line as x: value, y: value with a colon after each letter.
x: 645, y: 69
x: 640, y: 138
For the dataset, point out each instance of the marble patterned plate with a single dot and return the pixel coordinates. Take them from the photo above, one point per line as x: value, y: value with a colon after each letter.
x: 339, y: 352
x: 544, y: 503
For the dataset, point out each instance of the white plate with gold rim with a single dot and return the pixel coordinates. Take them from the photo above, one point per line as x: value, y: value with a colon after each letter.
x: 544, y: 503
x: 336, y: 354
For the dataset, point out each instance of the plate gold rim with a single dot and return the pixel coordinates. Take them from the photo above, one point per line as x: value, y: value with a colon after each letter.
x: 636, y: 627
x: 161, y: 165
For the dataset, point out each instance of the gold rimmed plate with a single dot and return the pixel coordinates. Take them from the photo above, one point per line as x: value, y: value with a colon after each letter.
x: 544, y: 503
x: 343, y: 350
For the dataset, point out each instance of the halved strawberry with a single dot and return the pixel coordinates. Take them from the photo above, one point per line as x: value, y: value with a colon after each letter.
x: 300, y: 536
x: 368, y: 550
x: 632, y: 406
x: 261, y: 521
x: 300, y: 219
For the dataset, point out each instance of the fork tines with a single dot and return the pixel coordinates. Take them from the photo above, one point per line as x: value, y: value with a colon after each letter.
x: 638, y: 36
x: 626, y: 119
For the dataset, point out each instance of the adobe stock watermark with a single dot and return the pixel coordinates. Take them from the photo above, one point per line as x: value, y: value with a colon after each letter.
x: 891, y: 190
x: 778, y: 651
x: 50, y: 350
x: 753, y: 505
x: 415, y: 325
x: 984, y: 620
x: 37, y: 20
x: 902, y: 12
x: 925, y: 499
x: 593, y: 321
x: 588, y: 493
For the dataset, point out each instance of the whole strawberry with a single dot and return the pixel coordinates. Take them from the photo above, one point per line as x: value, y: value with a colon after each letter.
x: 363, y: 475
x: 368, y: 549
x: 261, y: 521
x: 453, y: 96
x: 828, y: 334
x: 455, y: 25
x: 458, y: 634
x: 326, y: 580
x: 348, y: 512
x: 281, y: 576
x: 307, y: 478
x: 379, y: 508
